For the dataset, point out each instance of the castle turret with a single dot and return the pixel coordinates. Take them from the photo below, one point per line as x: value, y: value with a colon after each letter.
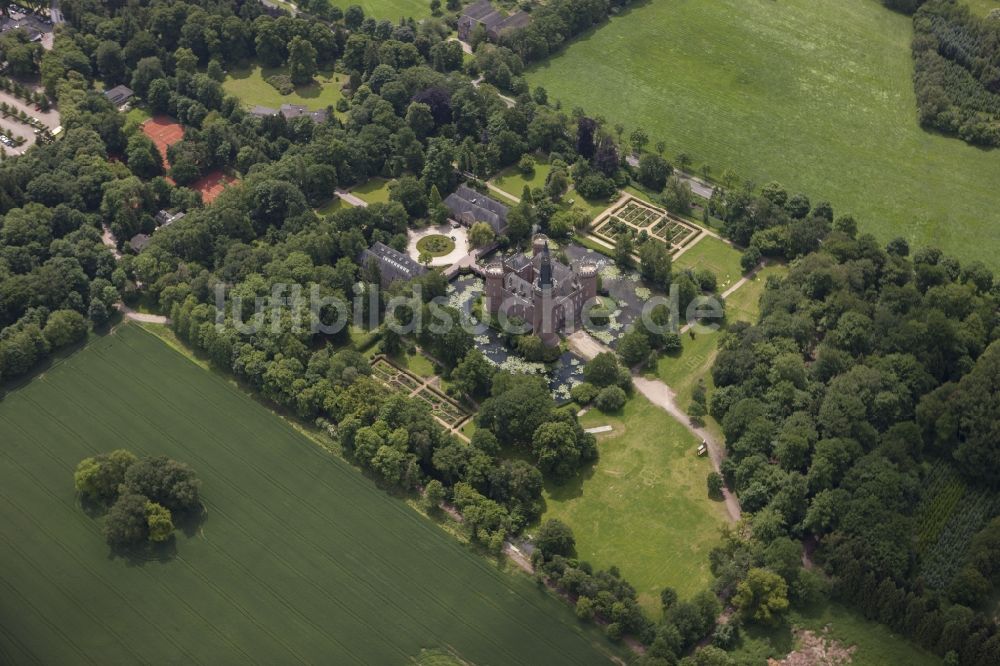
x: 588, y: 280
x: 545, y: 269
x: 539, y: 242
x: 494, y: 287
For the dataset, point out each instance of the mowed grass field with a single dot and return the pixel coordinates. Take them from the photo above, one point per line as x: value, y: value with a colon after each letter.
x: 392, y: 10
x: 250, y: 85
x: 300, y: 558
x: 644, y: 506
x: 816, y: 95
x: 715, y: 255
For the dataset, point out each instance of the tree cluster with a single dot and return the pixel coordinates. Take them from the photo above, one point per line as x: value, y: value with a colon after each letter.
x: 957, y: 71
x: 142, y: 495
x: 868, y: 369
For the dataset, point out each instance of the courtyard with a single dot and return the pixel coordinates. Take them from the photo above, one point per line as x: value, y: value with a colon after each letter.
x: 430, y: 241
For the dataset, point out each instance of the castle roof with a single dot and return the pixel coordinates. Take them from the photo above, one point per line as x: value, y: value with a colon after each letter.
x: 465, y: 203
x: 392, y: 265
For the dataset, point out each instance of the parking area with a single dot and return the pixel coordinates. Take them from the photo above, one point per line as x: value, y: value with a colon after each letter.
x: 18, y: 128
x: 38, y: 26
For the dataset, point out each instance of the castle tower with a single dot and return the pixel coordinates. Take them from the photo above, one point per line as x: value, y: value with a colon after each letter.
x: 494, y: 287
x: 539, y: 242
x: 545, y: 270
x: 588, y: 280
x: 543, y: 310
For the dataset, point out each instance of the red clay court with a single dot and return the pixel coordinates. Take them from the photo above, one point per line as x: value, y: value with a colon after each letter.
x: 211, y: 185
x: 164, y: 131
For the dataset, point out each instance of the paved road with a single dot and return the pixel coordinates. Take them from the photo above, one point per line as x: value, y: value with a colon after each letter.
x: 352, y: 199
x: 466, y: 47
x: 698, y: 186
x: 509, y: 101
x: 55, y: 13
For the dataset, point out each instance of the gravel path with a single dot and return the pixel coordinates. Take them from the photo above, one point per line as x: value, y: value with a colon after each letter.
x: 662, y: 396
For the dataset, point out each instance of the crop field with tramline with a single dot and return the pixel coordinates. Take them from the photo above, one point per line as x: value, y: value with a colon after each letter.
x: 299, y: 559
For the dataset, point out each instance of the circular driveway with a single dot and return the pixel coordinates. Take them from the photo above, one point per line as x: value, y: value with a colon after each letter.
x: 459, y: 235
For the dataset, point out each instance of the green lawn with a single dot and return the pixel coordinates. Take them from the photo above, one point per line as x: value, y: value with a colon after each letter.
x: 875, y: 644
x: 717, y: 256
x: 391, y: 9
x: 331, y: 206
x: 983, y: 7
x: 816, y: 95
x: 376, y: 190
x: 512, y: 181
x: 436, y: 245
x: 249, y: 84
x: 682, y: 372
x: 643, y: 506
x: 744, y: 303
x: 418, y: 364
x: 134, y: 118
x: 300, y: 557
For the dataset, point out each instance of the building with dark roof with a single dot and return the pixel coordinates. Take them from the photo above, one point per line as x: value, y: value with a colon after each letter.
x: 495, y: 23
x: 392, y: 265
x: 119, y: 96
x: 290, y: 111
x: 139, y: 242
x: 468, y: 206
x: 263, y: 111
x: 545, y: 294
x: 32, y: 26
x: 165, y: 218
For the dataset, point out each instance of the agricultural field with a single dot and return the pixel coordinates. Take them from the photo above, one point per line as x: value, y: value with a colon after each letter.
x: 816, y: 95
x: 251, y: 86
x: 299, y: 559
x: 873, y: 644
x: 644, y: 506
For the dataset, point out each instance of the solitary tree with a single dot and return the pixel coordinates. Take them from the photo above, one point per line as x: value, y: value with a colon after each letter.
x: 301, y: 60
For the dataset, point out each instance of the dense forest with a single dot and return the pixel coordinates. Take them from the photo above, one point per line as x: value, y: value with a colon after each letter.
x: 956, y: 77
x: 869, y: 383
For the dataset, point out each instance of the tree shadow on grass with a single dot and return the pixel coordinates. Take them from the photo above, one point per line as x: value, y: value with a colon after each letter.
x: 778, y: 640
x: 188, y: 523
x: 572, y: 487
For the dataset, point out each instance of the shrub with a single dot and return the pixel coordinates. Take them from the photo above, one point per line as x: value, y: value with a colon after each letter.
x: 715, y: 484
x: 583, y: 393
x: 282, y: 83
x: 526, y: 165
x: 610, y: 399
